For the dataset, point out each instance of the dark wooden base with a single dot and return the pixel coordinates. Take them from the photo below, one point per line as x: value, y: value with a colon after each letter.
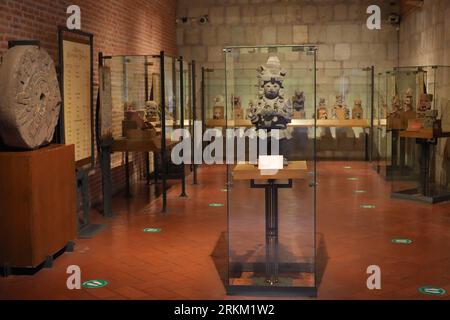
x: 414, y: 195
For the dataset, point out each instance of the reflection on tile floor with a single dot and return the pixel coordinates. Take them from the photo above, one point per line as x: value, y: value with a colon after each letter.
x: 187, y: 259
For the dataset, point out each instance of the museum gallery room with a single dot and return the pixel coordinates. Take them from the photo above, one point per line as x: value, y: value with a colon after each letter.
x: 224, y: 149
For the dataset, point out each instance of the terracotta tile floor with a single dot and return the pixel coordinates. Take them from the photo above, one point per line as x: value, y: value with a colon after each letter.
x: 185, y: 260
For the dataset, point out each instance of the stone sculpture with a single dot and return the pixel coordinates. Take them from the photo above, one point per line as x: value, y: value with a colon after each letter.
x: 272, y: 110
x: 30, y: 98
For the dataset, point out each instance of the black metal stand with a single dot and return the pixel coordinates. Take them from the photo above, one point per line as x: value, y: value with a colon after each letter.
x: 425, y: 191
x: 105, y: 162
x: 271, y: 210
x: 86, y: 230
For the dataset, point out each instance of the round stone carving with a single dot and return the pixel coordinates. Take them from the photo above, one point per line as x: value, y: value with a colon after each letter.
x: 30, y: 99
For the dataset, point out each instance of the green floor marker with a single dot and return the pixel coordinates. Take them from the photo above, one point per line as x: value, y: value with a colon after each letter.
x: 216, y: 205
x: 360, y: 191
x: 95, y: 284
x: 152, y: 230
x: 368, y: 206
x: 352, y: 179
x: 401, y: 241
x: 433, y: 291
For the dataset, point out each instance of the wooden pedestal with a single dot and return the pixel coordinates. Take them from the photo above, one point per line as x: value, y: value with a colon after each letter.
x: 37, y: 204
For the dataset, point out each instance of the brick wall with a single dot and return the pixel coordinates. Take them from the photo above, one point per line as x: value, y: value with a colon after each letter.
x: 120, y: 27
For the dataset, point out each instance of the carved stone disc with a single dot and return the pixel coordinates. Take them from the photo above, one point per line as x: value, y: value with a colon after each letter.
x: 30, y: 99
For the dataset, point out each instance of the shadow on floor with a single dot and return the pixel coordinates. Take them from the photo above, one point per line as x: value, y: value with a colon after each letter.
x: 220, y: 257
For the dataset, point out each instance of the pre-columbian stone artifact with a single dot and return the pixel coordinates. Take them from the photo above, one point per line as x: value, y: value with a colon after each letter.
x: 272, y: 110
x: 30, y: 100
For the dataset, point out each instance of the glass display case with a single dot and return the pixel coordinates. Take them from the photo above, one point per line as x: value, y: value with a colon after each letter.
x: 419, y: 125
x: 271, y: 180
x: 379, y: 154
x: 213, y: 96
x: 141, y: 127
x: 345, y: 100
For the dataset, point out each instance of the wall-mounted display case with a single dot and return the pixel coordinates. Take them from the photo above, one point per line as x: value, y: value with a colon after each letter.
x: 419, y: 123
x: 271, y: 214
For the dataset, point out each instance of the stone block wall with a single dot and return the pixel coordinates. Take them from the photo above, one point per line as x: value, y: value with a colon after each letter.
x: 337, y: 27
x: 425, y: 41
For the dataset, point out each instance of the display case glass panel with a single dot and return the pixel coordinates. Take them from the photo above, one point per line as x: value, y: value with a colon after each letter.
x: 271, y: 213
x: 379, y: 133
x: 213, y: 91
x: 420, y: 169
x: 345, y: 113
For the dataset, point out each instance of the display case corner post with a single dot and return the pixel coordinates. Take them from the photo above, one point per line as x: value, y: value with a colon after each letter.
x: 183, y: 173
x: 194, y: 114
x: 163, y: 131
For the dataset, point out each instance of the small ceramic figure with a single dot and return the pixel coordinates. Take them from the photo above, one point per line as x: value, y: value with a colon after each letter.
x: 298, y: 103
x: 151, y: 112
x: 219, y: 108
x: 424, y: 105
x: 322, y: 112
x: 408, y: 101
x: 358, y: 112
x: 340, y: 111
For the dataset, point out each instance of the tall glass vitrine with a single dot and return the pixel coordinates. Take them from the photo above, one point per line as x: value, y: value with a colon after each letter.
x: 271, y: 183
x: 421, y: 166
x: 150, y: 96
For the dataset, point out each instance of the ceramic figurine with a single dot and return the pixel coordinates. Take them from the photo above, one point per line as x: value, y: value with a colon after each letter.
x: 238, y: 112
x: 322, y: 112
x: 219, y: 108
x: 272, y: 110
x: 408, y: 112
x: 424, y: 105
x: 358, y: 112
x: 298, y: 103
x: 394, y: 117
x: 151, y: 112
x: 340, y: 111
x: 408, y: 101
